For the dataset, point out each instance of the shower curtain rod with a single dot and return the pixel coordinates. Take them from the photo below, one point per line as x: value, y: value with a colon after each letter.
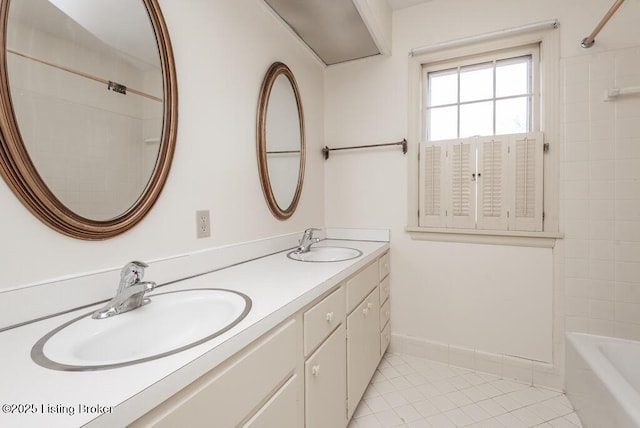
x: 113, y: 86
x: 551, y: 23
x: 588, y: 41
x: 403, y: 143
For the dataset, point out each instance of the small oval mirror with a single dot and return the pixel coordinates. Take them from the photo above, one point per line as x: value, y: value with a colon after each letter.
x: 280, y: 141
x: 89, y: 112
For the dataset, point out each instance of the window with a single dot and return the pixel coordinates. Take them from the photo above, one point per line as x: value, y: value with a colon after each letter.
x: 489, y: 98
x: 492, y: 180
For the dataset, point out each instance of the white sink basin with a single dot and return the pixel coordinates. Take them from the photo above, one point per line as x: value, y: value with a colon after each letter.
x: 326, y: 254
x: 170, y: 323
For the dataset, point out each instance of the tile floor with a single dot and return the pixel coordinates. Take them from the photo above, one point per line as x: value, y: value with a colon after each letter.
x: 413, y: 392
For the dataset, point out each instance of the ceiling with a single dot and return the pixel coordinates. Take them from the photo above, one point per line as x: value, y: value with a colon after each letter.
x: 341, y: 30
x: 333, y: 29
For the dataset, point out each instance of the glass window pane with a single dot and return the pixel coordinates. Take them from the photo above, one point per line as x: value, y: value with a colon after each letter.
x: 513, y: 77
x: 512, y: 115
x: 476, y: 119
x: 443, y: 87
x: 476, y: 82
x: 442, y: 123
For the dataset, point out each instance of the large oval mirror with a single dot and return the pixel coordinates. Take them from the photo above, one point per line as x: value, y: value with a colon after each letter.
x: 280, y: 141
x: 89, y: 111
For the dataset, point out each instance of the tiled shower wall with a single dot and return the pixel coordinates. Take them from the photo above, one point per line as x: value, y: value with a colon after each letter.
x: 600, y: 194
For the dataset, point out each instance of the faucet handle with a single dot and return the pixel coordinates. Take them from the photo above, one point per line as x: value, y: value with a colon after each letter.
x: 309, y: 231
x: 134, y: 271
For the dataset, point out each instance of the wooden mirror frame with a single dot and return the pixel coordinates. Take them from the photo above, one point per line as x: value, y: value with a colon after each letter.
x: 22, y: 177
x: 276, y: 69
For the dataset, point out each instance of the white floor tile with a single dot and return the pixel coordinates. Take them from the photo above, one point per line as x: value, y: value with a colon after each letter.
x: 412, y: 392
x: 443, y: 403
x: 384, y: 387
x: 412, y: 395
x: 573, y: 418
x: 560, y: 405
x: 426, y: 408
x: 459, y: 398
x: 389, y: 419
x: 561, y: 422
x: 377, y: 404
x: 476, y: 412
x: 507, y: 402
x: 408, y: 413
x: 395, y: 399
x: 492, y: 407
x: 510, y: 421
x: 369, y: 421
x: 529, y: 418
x: 400, y: 383
x: 458, y: 417
x: 475, y: 394
x: 420, y: 423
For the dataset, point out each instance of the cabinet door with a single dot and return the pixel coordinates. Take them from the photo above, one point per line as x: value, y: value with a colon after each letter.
x: 325, y: 383
x: 363, y: 347
x: 280, y: 411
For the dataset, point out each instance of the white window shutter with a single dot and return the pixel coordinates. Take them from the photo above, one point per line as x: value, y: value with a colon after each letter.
x: 493, y: 197
x: 431, y: 187
x: 461, y: 184
x: 526, y: 161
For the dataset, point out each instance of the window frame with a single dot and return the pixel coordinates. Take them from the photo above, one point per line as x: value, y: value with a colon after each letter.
x: 548, y: 123
x: 532, y: 50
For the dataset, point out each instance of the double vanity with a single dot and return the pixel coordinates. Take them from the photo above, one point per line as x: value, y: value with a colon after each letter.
x: 293, y: 341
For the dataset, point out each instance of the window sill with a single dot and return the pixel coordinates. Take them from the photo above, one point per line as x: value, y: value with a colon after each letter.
x: 491, y: 237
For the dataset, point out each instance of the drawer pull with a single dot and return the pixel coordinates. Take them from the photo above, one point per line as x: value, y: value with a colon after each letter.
x: 369, y: 305
x: 365, y: 311
x: 329, y: 316
x: 315, y: 370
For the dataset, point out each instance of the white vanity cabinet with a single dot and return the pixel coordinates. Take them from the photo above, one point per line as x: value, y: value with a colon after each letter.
x: 250, y: 389
x: 311, y: 371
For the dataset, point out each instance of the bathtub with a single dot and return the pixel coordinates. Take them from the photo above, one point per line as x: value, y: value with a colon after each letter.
x: 603, y: 380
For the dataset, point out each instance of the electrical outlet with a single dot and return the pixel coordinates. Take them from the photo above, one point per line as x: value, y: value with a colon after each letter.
x: 203, y: 224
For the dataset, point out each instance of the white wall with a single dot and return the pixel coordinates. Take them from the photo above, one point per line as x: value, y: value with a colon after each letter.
x: 463, y: 294
x: 222, y: 51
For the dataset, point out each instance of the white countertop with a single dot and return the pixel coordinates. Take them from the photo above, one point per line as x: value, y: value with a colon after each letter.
x: 33, y: 396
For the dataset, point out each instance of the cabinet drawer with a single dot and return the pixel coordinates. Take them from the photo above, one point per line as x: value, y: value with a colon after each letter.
x: 385, y: 288
x: 322, y: 319
x: 326, y: 383
x: 384, y: 265
x: 280, y: 411
x: 385, y: 313
x: 361, y: 284
x: 385, y: 338
x: 225, y: 396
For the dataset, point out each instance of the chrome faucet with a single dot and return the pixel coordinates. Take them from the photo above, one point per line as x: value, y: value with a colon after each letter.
x: 130, y: 294
x: 307, y: 240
